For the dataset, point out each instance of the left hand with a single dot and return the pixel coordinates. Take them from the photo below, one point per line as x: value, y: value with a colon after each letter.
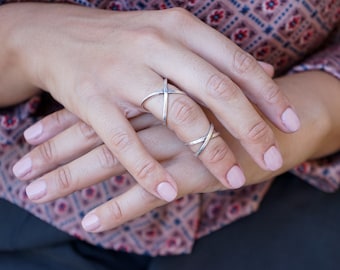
x: 67, y: 147
x: 75, y: 138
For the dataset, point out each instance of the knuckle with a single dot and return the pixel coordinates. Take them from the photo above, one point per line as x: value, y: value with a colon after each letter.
x: 106, y: 158
x: 147, y: 198
x: 87, y: 131
x: 58, y: 118
x: 182, y: 112
x: 273, y: 93
x: 178, y: 16
x: 146, y: 169
x: 217, y: 153
x: 64, y: 179
x: 260, y: 132
x: 120, y: 139
x: 243, y: 62
x: 47, y: 151
x: 149, y: 38
x: 220, y: 87
x: 115, y: 210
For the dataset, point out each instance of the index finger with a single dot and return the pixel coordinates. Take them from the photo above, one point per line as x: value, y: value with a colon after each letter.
x: 121, y: 139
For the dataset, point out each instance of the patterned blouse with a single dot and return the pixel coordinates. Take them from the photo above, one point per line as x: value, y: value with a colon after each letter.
x: 292, y: 35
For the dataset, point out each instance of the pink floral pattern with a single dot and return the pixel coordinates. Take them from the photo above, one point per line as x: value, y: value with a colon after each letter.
x: 281, y: 32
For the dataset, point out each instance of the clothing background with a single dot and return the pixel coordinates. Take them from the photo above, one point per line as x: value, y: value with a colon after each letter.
x: 292, y: 35
x: 297, y: 227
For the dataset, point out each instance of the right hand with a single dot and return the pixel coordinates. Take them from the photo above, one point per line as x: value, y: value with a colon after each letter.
x: 101, y: 64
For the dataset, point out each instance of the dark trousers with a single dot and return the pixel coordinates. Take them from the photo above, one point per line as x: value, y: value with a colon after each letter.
x: 297, y: 227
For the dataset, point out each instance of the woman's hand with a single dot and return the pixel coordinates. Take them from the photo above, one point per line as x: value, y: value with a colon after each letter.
x: 70, y: 156
x: 101, y: 65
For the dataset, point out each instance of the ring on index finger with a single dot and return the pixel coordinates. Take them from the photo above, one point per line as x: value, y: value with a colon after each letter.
x: 165, y: 92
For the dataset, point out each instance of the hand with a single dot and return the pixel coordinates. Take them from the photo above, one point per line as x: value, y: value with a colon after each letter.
x: 67, y: 147
x: 101, y: 65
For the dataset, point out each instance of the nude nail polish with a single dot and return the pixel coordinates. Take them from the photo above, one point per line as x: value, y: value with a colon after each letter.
x: 22, y: 167
x: 273, y: 159
x: 90, y: 223
x: 290, y: 120
x: 33, y: 132
x: 166, y: 191
x: 36, y: 190
x: 235, y: 177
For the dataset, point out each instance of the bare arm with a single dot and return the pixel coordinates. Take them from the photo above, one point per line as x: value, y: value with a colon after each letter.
x: 14, y: 83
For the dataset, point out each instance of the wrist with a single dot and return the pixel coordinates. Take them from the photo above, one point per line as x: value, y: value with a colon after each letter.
x: 20, y: 40
x: 14, y: 79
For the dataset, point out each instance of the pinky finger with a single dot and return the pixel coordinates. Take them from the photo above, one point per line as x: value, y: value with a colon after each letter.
x: 49, y: 126
x: 121, y: 209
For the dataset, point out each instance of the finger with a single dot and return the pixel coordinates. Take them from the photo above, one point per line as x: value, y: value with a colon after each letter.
x: 64, y: 147
x: 117, y: 133
x: 268, y: 68
x: 49, y: 126
x: 227, y: 102
x: 144, y: 121
x: 189, y: 122
x: 128, y: 206
x: 132, y: 204
x: 98, y: 165
x: 240, y: 66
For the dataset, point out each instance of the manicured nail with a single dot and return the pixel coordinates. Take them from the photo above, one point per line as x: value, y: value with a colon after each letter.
x: 90, y: 223
x: 33, y: 132
x: 273, y: 159
x: 236, y: 177
x: 36, y: 190
x: 22, y: 167
x: 166, y: 191
x: 290, y: 120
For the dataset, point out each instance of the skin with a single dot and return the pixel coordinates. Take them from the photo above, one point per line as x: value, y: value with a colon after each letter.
x: 94, y: 68
x: 315, y: 95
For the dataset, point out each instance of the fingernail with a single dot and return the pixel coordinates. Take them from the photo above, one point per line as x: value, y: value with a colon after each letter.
x: 273, y: 159
x: 22, y: 167
x: 290, y: 120
x: 166, y: 191
x: 236, y: 177
x: 36, y: 190
x: 90, y: 223
x: 33, y: 132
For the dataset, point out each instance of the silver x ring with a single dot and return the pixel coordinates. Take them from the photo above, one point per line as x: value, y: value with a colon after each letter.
x: 165, y: 92
x: 204, y: 140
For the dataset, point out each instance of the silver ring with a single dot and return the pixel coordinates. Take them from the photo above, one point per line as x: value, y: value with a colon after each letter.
x: 165, y: 92
x: 204, y: 140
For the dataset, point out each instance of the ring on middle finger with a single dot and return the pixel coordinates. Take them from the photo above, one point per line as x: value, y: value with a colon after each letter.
x: 165, y: 92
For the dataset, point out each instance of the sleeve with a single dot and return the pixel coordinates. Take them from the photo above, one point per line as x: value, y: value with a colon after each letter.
x: 13, y: 121
x: 323, y: 173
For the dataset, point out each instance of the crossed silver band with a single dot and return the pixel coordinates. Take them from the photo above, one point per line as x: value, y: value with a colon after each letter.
x: 165, y: 92
x: 204, y: 140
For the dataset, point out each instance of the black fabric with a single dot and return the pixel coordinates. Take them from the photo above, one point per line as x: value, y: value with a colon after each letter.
x: 297, y: 227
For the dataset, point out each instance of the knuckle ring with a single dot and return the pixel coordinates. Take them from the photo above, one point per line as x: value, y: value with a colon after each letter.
x: 165, y: 92
x: 204, y: 140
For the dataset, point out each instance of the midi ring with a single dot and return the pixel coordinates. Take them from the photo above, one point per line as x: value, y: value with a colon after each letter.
x: 204, y: 140
x: 165, y: 92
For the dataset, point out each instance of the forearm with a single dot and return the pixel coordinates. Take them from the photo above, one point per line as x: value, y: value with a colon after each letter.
x: 316, y: 97
x: 14, y: 84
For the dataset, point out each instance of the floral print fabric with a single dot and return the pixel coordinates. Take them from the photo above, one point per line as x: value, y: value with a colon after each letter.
x: 280, y: 32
